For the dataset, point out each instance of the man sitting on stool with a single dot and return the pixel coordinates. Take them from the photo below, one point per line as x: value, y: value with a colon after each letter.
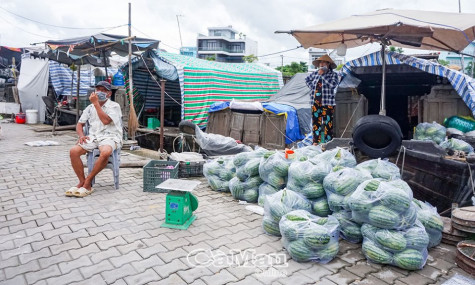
x: 105, y: 132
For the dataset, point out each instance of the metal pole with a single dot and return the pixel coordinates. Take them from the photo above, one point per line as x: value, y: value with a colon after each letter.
x: 282, y: 56
x: 105, y: 62
x: 460, y: 8
x: 162, y: 112
x: 77, y: 97
x: 382, y: 110
x: 179, y: 30
x: 131, y: 85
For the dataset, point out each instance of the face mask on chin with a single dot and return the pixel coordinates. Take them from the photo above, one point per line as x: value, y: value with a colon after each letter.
x: 102, y: 96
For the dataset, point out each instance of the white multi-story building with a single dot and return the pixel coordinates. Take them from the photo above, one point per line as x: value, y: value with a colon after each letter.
x: 314, y: 53
x: 225, y: 44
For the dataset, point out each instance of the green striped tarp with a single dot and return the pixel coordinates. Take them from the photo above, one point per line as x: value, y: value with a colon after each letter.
x: 204, y: 82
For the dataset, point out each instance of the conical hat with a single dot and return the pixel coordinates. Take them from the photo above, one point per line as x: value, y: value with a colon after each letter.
x: 324, y: 58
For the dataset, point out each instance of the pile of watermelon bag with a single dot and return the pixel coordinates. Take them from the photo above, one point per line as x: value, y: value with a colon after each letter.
x: 391, y: 232
x: 456, y: 144
x: 277, y: 205
x: 337, y: 157
x: 430, y: 219
x: 383, y: 204
x: 218, y: 172
x: 308, y: 237
x: 432, y: 132
x: 273, y: 170
x: 379, y: 168
x: 340, y: 184
x: 406, y: 249
x: 245, y: 186
x: 306, y: 178
x: 308, y: 151
x: 349, y: 229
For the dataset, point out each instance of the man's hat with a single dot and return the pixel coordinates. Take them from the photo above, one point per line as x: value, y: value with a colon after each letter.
x: 324, y: 58
x: 104, y: 84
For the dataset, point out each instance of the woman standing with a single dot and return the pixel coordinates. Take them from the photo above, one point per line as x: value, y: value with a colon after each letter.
x: 323, y: 83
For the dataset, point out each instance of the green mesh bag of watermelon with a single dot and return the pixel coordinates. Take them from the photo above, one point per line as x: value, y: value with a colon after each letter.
x: 406, y: 249
x: 307, y: 237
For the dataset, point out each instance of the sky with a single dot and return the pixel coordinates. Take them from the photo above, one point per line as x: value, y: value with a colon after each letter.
x: 23, y: 22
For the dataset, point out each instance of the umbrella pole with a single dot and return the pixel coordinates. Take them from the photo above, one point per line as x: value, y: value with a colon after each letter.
x: 382, y: 110
x: 162, y: 112
x: 77, y: 96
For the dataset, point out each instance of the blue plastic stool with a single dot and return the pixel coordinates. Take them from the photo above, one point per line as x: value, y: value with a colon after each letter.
x: 113, y: 164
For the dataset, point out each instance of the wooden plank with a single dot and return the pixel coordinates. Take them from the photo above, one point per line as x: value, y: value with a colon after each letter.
x: 48, y: 128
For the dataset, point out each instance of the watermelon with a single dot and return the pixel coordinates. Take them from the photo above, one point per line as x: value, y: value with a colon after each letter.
x: 410, y: 259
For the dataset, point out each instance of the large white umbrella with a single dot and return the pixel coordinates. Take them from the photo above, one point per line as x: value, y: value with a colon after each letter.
x: 405, y: 28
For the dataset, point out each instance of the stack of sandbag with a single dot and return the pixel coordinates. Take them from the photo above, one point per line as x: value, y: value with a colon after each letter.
x: 306, y: 178
x: 433, y: 132
x: 308, y: 237
x: 218, y: 172
x: 245, y: 186
x: 406, y: 249
x: 431, y: 220
x: 273, y: 170
x: 278, y: 204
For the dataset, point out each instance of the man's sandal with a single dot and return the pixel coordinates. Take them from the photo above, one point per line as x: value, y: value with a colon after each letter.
x: 71, y: 191
x: 83, y: 192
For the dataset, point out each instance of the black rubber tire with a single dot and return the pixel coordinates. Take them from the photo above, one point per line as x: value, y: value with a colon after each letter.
x: 377, y: 136
x: 187, y: 127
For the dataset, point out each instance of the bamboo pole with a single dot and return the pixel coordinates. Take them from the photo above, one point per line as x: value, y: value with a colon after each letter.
x: 133, y: 123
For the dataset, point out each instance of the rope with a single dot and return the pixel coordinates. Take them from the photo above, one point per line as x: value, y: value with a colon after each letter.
x: 471, y: 178
x: 278, y: 128
x: 159, y: 85
x: 403, y: 148
x: 354, y: 111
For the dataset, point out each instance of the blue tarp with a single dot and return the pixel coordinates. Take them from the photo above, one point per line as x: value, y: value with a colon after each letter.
x: 292, y: 131
x: 60, y: 76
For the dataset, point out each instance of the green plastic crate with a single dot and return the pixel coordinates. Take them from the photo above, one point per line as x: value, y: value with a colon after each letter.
x: 191, y: 169
x: 157, y: 171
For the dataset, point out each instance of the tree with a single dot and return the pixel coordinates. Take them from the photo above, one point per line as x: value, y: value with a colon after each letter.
x: 250, y: 58
x: 293, y: 68
x: 211, y: 58
x: 469, y: 70
x: 444, y: 62
x: 395, y: 49
x: 339, y: 66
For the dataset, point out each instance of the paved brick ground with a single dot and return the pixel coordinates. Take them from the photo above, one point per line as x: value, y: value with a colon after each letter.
x: 113, y: 236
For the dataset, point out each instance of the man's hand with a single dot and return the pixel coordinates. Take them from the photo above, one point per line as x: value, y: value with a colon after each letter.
x: 83, y: 139
x: 322, y: 70
x: 93, y: 98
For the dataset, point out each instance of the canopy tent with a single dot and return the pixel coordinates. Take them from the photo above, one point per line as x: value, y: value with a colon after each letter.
x: 200, y: 83
x: 463, y: 84
x: 297, y: 95
x: 425, y: 30
x: 61, y: 76
x: 89, y: 45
